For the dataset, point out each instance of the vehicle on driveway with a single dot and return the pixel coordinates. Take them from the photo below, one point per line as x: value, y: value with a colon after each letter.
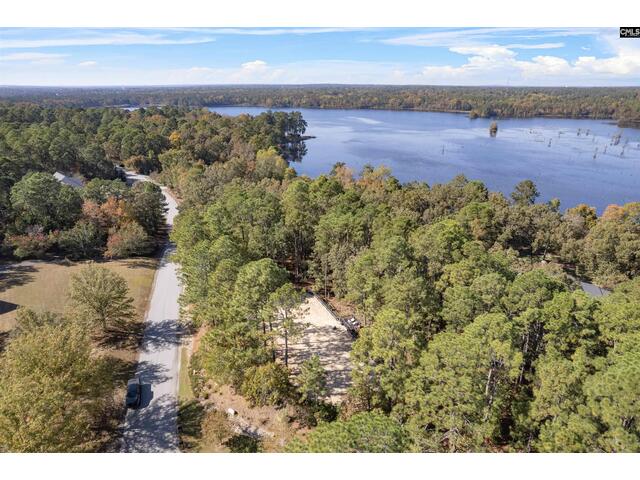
x: 134, y: 393
x: 352, y: 325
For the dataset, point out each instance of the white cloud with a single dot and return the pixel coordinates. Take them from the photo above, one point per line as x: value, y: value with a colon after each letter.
x: 276, y: 31
x: 88, y: 63
x: 544, y: 65
x: 488, y: 51
x: 619, y: 65
x: 256, y: 65
x: 98, y: 37
x: 33, y: 57
x: 261, y: 72
x: 17, y: 38
x: 535, y: 46
x: 256, y: 71
x: 479, y: 36
x: 499, y: 64
x: 476, y: 70
x: 446, y: 38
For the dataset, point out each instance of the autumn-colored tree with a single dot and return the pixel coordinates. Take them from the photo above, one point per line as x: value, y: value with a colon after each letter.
x: 127, y: 241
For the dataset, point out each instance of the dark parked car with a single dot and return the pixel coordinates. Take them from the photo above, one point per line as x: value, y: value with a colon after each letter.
x: 352, y: 325
x: 134, y: 393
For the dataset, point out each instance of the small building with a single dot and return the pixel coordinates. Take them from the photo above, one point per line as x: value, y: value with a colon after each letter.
x: 65, y: 180
x: 594, y: 290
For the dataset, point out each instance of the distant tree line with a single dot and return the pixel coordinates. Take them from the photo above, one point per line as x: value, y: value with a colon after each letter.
x: 619, y: 103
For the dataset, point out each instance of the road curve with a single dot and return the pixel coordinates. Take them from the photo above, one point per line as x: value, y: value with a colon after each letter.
x: 153, y: 427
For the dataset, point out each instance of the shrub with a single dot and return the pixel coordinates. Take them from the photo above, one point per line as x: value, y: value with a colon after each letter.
x: 34, y: 244
x: 216, y: 428
x: 243, y: 444
x: 366, y: 432
x: 129, y: 240
x: 267, y: 385
x: 311, y: 415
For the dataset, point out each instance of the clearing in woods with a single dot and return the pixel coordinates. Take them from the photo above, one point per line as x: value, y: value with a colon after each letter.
x: 326, y: 337
x: 43, y: 285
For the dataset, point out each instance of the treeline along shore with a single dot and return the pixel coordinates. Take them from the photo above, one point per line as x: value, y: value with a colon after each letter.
x: 621, y: 104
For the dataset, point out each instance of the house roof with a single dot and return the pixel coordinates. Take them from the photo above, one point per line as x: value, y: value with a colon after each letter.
x: 72, y: 182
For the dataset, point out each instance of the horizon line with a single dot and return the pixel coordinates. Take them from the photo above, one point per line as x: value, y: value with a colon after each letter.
x: 240, y: 85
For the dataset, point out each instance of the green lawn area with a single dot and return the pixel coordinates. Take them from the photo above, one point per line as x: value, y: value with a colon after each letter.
x: 43, y: 285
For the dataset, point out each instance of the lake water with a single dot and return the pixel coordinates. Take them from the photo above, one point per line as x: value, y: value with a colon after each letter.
x: 565, y: 158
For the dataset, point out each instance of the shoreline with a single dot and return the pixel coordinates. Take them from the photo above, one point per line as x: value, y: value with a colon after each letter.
x: 634, y: 125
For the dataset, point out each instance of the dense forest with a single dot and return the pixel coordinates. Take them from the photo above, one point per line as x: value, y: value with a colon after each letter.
x: 619, y: 103
x: 476, y: 335
x: 39, y: 215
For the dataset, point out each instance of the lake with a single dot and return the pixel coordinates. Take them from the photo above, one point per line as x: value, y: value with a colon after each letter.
x: 573, y: 160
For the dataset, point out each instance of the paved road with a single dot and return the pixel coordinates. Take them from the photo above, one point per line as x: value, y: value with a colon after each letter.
x: 153, y: 426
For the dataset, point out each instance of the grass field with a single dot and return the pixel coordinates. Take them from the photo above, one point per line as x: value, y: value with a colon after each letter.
x: 43, y: 285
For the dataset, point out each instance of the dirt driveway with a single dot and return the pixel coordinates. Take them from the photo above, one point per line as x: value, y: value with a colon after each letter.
x: 326, y: 337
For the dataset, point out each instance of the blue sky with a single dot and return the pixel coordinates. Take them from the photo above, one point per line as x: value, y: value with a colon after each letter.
x: 431, y: 56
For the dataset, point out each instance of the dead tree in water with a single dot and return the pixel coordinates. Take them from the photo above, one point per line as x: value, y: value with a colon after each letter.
x: 615, y: 140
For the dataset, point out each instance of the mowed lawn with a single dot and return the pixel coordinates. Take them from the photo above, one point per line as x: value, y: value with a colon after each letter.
x: 43, y: 285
